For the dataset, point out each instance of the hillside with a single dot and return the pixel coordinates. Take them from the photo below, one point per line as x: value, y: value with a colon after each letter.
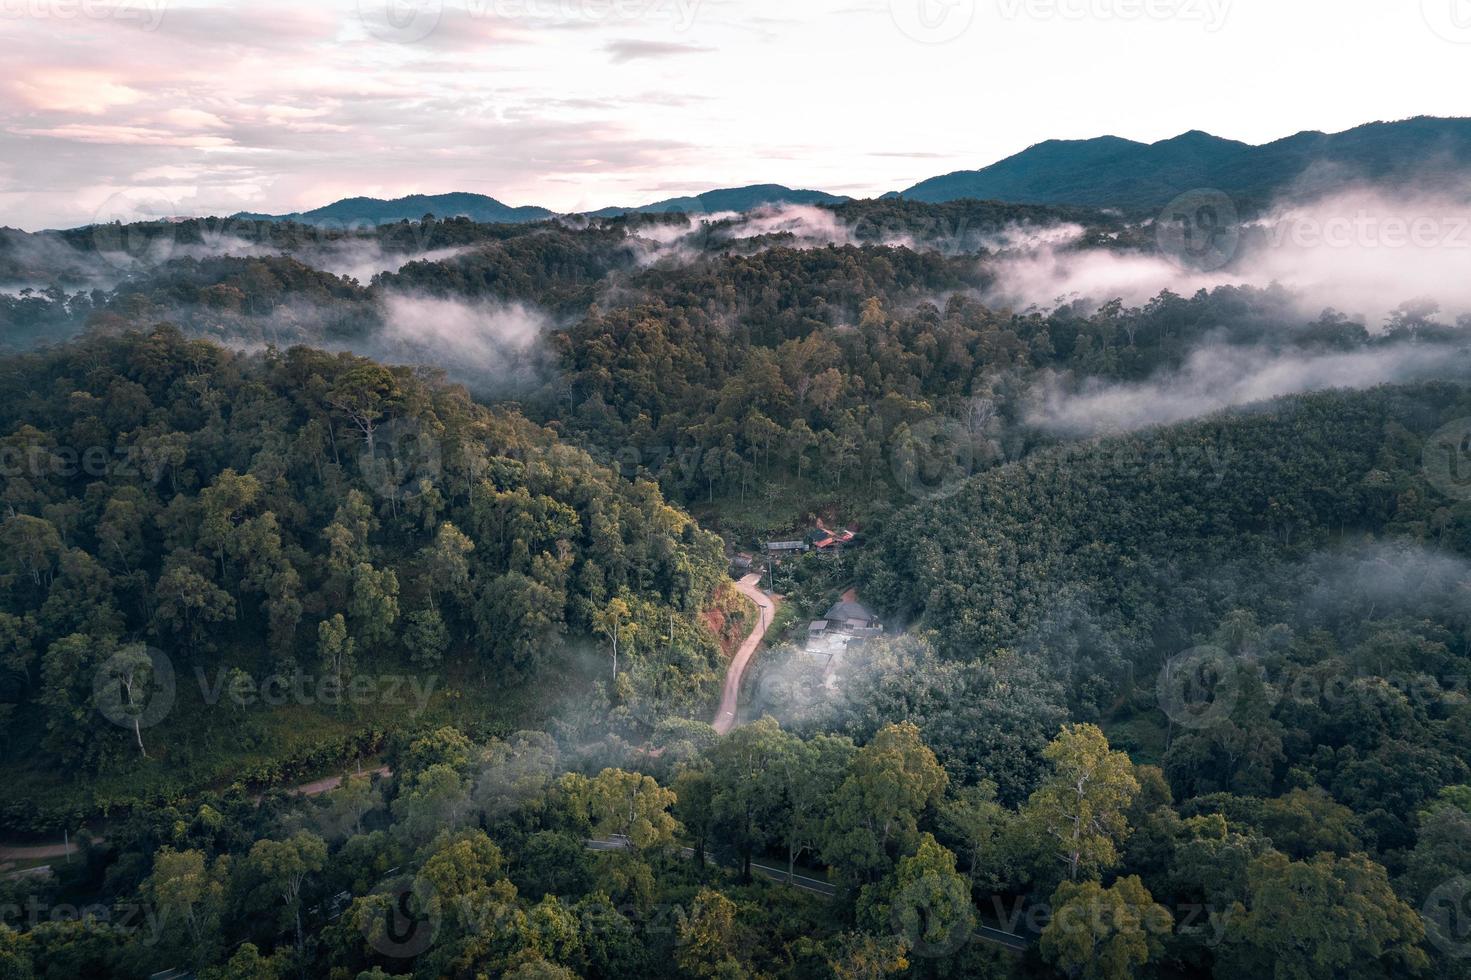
x: 310, y: 515
x: 1111, y: 172
x: 728, y: 199
x: 373, y: 211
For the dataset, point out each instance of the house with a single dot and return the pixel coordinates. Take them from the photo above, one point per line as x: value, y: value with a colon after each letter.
x: 852, y: 616
x: 780, y: 547
x: 741, y: 563
x: 847, y: 625
x: 831, y: 541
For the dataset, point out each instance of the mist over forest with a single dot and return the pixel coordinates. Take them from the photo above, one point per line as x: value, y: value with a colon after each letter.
x: 824, y: 588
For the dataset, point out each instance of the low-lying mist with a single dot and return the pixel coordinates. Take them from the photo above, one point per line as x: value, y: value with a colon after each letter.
x: 1222, y: 376
x: 1363, y: 251
x: 487, y: 345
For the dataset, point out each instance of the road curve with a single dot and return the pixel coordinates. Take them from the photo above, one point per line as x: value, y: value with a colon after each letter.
x: 725, y: 718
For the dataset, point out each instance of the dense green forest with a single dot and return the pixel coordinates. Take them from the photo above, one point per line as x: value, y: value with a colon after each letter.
x: 305, y: 512
x: 1184, y: 701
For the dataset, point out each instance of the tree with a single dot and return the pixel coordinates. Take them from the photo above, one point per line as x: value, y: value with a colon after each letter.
x: 875, y: 813
x: 540, y: 969
x: 336, y: 649
x: 747, y: 799
x: 610, y: 621
x: 374, y: 603
x: 353, y: 798
x: 924, y: 901
x: 977, y: 824
x: 31, y: 547
x: 431, y: 799
x: 282, y: 867
x: 188, y: 602
x: 124, y: 680
x: 1323, y: 918
x: 1081, y: 808
x: 67, y: 671
x: 185, y: 890
x: 247, y: 964
x: 810, y: 773
x: 448, y: 564
x: 632, y: 806
x: 861, y: 956
x: 426, y: 638
x: 694, y: 791
x: 710, y: 937
x: 364, y: 395
x: 1442, y: 851
x: 1102, y: 933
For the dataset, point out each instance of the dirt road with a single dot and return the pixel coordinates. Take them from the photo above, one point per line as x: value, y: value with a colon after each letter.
x: 725, y: 718
x: 43, y: 851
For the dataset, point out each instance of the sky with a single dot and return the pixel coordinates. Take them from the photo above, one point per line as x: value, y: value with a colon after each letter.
x: 143, y: 108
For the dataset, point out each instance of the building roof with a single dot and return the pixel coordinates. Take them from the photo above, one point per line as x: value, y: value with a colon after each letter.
x: 786, y: 546
x: 817, y: 626
x: 846, y: 611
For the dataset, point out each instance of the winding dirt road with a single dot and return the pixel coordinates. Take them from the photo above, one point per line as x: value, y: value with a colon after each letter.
x: 725, y: 718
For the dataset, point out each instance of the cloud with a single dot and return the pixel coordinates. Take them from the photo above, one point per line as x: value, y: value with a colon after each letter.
x: 622, y: 52
x: 77, y: 91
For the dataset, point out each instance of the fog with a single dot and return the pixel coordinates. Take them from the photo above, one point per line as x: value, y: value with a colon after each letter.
x: 1362, y: 250
x: 486, y: 344
x: 1218, y: 377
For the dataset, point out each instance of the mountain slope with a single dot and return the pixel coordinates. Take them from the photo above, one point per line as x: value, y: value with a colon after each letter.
x: 372, y: 210
x: 1113, y: 172
x: 728, y: 199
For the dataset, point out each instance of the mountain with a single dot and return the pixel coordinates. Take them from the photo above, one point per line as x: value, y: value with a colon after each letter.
x: 478, y: 207
x: 728, y: 199
x: 356, y: 210
x: 1113, y: 172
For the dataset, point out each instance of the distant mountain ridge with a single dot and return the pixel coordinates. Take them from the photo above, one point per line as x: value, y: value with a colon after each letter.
x: 355, y: 210
x: 478, y: 207
x: 728, y: 199
x: 1103, y: 172
x: 1112, y: 172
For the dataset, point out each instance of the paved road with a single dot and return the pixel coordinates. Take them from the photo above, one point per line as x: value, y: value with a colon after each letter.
x: 725, y: 718
x: 778, y: 874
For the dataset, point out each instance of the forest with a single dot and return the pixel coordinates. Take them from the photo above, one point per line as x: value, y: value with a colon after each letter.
x: 365, y: 601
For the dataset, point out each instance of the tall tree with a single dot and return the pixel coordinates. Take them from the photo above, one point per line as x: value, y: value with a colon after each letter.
x: 1079, y: 812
